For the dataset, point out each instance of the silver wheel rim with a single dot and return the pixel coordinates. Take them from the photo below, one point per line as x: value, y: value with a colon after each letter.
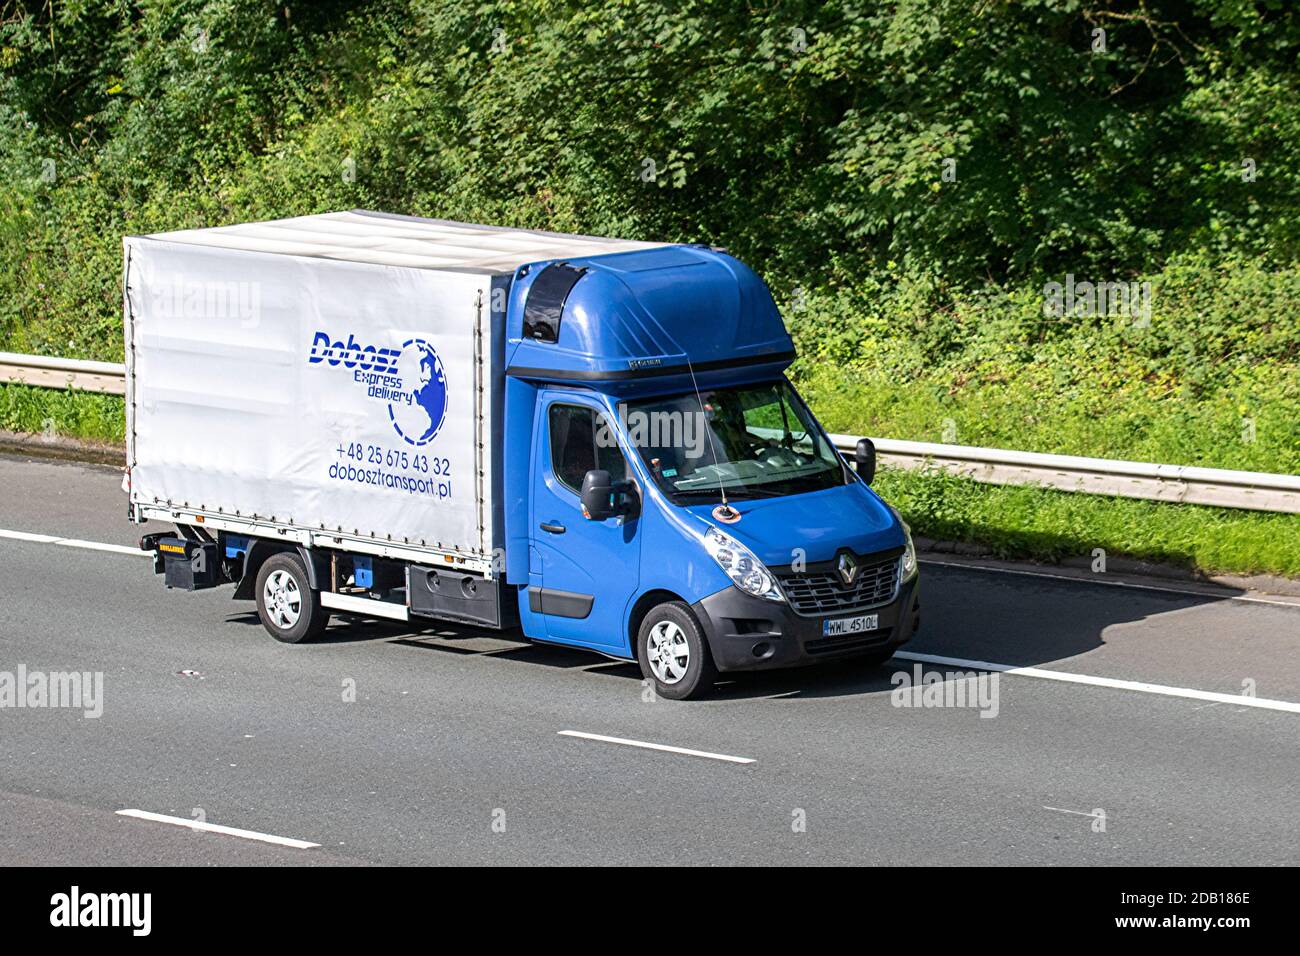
x: 283, y: 600
x: 668, y: 651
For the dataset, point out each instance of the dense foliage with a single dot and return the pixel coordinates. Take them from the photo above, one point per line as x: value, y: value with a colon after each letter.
x: 907, y: 174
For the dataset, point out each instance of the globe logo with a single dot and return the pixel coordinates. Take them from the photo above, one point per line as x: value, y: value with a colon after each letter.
x: 421, y: 407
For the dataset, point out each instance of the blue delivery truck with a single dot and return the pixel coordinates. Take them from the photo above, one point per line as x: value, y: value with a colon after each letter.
x: 590, y: 440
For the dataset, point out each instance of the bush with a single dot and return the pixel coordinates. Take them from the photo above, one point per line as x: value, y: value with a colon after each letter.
x: 1213, y: 379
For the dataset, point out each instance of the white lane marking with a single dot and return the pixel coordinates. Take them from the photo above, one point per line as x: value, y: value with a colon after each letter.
x: 1239, y: 700
x: 1077, y: 813
x: 71, y: 542
x: 646, y: 746
x: 217, y: 828
x: 1169, y: 589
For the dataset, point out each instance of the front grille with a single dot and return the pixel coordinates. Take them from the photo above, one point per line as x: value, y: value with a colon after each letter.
x: 819, y: 592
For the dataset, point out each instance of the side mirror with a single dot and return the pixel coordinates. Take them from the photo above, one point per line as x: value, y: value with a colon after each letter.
x: 597, y: 495
x: 864, y: 459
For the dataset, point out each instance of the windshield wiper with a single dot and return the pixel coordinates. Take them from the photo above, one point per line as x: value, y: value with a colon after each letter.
x: 736, y: 492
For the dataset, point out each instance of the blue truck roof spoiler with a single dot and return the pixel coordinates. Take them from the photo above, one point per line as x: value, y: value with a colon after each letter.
x: 630, y: 316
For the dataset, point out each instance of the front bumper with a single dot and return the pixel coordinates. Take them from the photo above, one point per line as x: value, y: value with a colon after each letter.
x: 747, y: 633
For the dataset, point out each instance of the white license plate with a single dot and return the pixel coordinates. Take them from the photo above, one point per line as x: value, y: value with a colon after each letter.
x: 850, y: 625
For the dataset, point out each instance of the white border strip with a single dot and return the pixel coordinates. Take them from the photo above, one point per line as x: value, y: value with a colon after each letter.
x: 664, y: 747
x: 1239, y: 700
x: 217, y: 828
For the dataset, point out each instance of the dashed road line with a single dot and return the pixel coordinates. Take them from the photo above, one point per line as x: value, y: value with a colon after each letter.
x: 217, y: 828
x: 648, y: 746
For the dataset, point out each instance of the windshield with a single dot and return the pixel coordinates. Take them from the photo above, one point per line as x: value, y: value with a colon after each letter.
x: 751, y: 440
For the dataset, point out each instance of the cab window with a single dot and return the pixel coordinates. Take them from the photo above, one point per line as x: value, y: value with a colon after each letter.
x: 582, y: 440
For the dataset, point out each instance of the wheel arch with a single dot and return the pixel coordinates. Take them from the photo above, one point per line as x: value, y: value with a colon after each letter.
x: 641, y: 607
x: 260, y: 549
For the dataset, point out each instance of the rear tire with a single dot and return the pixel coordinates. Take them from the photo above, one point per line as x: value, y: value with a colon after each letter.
x: 288, y: 607
x: 674, y: 654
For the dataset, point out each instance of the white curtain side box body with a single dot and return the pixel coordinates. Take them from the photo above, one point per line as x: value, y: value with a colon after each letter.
x: 333, y: 380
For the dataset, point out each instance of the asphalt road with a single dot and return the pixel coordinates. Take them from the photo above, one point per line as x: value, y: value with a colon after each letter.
x: 451, y: 751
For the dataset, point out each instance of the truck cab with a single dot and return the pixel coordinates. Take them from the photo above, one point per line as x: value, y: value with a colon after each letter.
x: 672, y: 499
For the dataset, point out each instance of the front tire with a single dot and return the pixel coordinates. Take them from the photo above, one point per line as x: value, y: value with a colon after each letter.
x: 674, y: 654
x: 288, y: 607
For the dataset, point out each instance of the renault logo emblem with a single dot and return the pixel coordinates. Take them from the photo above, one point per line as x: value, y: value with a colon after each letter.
x: 848, y: 568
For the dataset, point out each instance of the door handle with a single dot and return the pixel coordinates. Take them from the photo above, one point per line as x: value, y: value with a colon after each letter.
x: 552, y: 527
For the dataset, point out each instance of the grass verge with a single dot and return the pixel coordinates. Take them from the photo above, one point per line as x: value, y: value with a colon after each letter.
x: 1043, y: 524
x: 1256, y: 428
x: 51, y: 411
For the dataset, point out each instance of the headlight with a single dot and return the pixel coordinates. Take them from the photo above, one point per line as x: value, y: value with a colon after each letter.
x: 907, y: 567
x: 745, y: 570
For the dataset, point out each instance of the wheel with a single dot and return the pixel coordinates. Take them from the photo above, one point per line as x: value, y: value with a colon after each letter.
x: 673, y: 653
x: 290, y: 610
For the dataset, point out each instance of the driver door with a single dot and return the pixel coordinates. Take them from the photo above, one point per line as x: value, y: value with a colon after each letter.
x: 588, y: 570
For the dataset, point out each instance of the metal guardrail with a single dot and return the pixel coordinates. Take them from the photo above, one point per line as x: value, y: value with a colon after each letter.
x: 106, y: 377
x: 1256, y: 491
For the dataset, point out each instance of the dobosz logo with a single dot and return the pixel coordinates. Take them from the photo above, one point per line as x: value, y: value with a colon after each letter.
x: 417, y: 412
x: 351, y: 355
